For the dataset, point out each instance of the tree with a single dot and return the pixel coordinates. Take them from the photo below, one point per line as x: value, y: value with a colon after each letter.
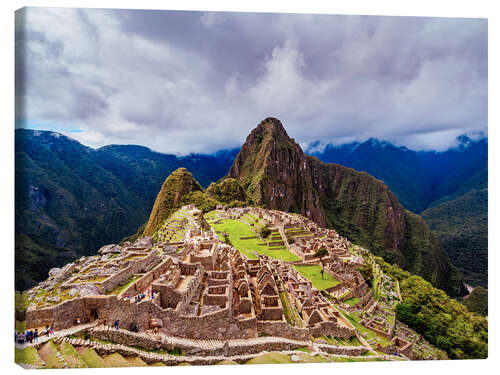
x: 320, y: 254
x: 265, y: 232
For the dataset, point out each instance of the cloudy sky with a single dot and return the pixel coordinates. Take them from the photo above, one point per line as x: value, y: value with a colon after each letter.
x: 182, y: 82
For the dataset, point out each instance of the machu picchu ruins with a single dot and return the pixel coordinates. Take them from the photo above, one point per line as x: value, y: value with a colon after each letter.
x: 227, y: 284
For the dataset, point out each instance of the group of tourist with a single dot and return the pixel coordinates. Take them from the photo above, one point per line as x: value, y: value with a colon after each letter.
x: 31, y: 335
x: 151, y: 295
x: 27, y: 337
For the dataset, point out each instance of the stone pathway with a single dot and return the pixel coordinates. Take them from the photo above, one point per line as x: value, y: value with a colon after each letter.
x: 151, y: 357
x: 62, y: 333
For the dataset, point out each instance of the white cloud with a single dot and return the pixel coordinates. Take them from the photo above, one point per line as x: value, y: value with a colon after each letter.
x: 196, y: 82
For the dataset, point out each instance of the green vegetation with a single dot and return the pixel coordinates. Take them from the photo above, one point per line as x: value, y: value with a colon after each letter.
x: 201, y: 200
x: 477, y: 301
x: 115, y: 360
x: 461, y: 225
x: 136, y: 361
x: 50, y: 354
x: 351, y: 301
x: 270, y: 358
x: 313, y: 274
x: 71, y: 356
x: 35, y: 257
x: 28, y: 355
x: 354, y: 320
x: 227, y: 191
x: 441, y: 320
x: 92, y: 359
x: 265, y: 232
x: 21, y: 300
x: 236, y: 229
x: 227, y: 362
x: 20, y: 326
x: 287, y: 310
x: 169, y: 199
x: 70, y: 199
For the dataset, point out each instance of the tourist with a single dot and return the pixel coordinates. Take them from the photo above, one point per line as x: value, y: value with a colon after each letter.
x: 46, y: 330
x: 77, y: 320
x: 51, y: 331
x: 35, y: 335
x: 117, y: 324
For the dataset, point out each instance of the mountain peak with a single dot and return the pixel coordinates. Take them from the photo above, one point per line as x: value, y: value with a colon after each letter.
x: 272, y: 124
x: 274, y: 170
x: 180, y: 183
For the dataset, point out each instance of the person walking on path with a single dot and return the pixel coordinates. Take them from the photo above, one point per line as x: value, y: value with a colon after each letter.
x: 117, y: 324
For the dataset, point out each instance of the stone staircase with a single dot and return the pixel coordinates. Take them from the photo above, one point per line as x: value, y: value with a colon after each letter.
x: 115, y: 354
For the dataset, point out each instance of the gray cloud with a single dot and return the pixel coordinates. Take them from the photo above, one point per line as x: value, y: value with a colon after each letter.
x: 185, y: 82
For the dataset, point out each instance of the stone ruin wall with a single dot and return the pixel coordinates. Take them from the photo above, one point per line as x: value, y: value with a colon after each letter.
x: 282, y: 329
x: 64, y: 314
x: 219, y: 325
x: 123, y: 276
x: 331, y: 329
x: 151, y: 275
x: 226, y: 349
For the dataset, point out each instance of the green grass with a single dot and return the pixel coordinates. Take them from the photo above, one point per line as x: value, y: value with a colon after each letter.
x: 227, y: 362
x: 51, y: 361
x: 92, y: 359
x: 71, y: 356
x: 363, y: 330
x: 286, y: 308
x: 269, y: 358
x: 21, y: 301
x: 115, y: 360
x: 28, y: 355
x: 313, y: 274
x: 236, y: 229
x: 351, y: 301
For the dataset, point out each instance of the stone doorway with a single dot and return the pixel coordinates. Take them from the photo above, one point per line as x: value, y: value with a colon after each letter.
x: 93, y: 315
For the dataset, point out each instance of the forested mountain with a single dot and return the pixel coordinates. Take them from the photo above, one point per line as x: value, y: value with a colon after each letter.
x: 461, y: 225
x: 418, y: 178
x: 449, y: 189
x: 72, y: 199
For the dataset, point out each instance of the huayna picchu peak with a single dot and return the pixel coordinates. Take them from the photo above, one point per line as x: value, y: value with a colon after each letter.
x: 275, y: 172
